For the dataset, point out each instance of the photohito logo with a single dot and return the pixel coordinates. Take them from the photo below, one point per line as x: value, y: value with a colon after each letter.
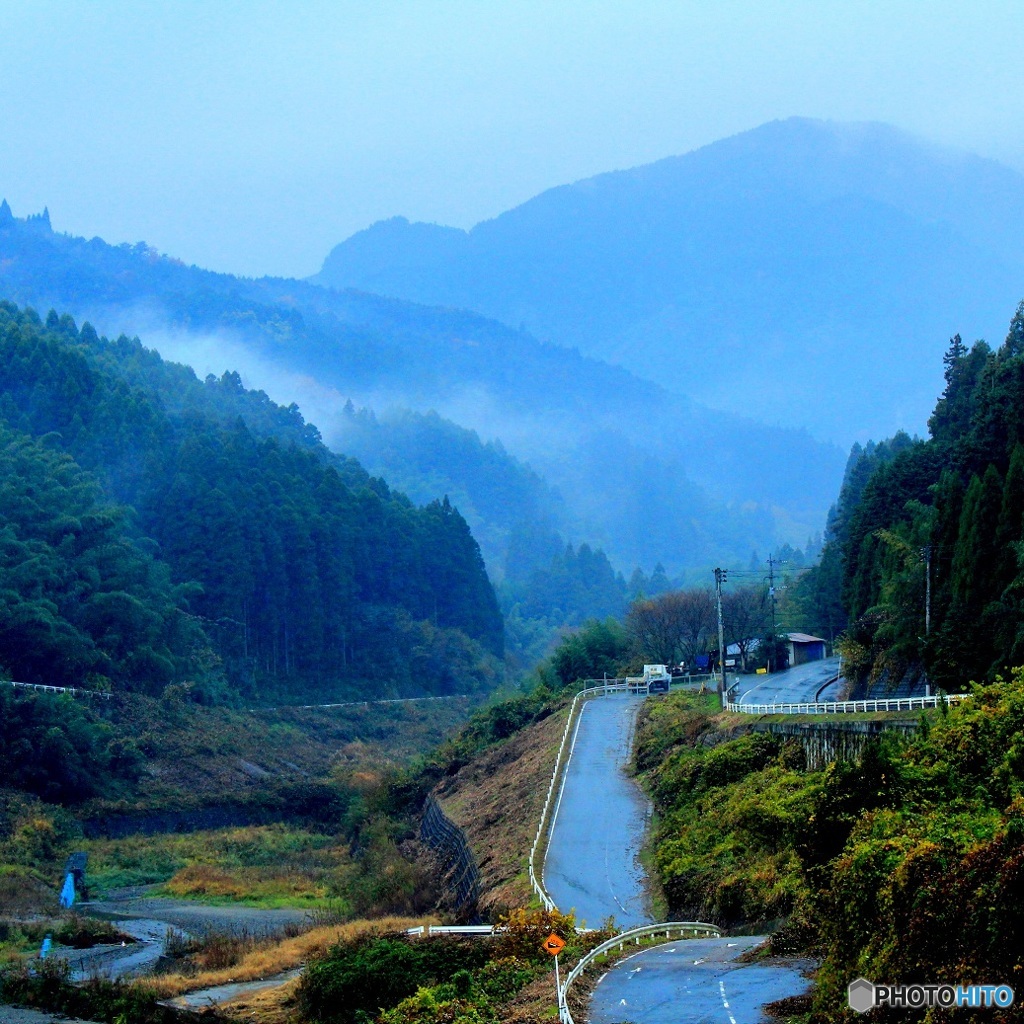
x: 864, y: 995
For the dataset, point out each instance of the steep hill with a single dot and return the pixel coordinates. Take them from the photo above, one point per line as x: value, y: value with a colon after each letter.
x: 282, y: 567
x: 805, y: 270
x: 648, y: 475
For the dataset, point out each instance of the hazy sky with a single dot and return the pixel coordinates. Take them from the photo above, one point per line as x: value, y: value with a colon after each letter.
x: 251, y: 137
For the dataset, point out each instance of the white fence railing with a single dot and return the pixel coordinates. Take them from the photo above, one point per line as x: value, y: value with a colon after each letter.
x: 680, y: 929
x: 426, y: 930
x: 75, y: 691
x: 847, y: 707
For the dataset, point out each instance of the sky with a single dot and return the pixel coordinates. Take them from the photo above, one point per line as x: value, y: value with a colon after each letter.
x: 252, y: 137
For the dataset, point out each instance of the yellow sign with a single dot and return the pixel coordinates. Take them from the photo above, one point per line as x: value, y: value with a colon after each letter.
x: 553, y: 944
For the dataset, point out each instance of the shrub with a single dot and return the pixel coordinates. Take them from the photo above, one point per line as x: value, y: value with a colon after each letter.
x: 371, y: 974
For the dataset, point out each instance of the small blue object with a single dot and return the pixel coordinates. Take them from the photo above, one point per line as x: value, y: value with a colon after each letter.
x: 47, y: 943
x: 67, y: 894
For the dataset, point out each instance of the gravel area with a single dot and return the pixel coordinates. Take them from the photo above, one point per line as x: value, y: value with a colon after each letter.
x: 18, y: 1015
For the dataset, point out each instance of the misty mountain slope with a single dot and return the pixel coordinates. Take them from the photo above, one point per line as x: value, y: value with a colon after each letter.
x: 423, y: 455
x: 805, y: 269
x: 579, y: 422
x: 284, y: 569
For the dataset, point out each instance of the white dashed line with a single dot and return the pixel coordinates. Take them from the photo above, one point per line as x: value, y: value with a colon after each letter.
x: 725, y: 1002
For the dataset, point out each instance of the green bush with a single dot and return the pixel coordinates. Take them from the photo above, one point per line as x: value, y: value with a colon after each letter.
x: 367, y: 975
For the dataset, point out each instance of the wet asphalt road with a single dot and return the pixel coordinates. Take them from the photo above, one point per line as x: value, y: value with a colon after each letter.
x: 592, y: 863
x: 695, y: 981
x: 795, y: 685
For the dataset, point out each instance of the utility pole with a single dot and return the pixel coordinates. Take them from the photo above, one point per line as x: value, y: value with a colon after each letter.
x: 771, y: 598
x: 926, y: 554
x: 720, y: 575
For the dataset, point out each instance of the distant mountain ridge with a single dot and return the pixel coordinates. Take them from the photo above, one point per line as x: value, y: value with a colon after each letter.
x: 805, y: 269
x: 647, y: 475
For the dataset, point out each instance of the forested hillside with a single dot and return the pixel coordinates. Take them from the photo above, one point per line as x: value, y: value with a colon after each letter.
x: 925, y: 557
x: 424, y: 455
x: 158, y: 529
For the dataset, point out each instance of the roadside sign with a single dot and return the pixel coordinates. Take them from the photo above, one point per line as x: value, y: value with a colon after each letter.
x: 553, y: 944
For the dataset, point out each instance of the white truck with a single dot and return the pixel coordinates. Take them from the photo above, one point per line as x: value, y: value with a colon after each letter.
x: 656, y: 679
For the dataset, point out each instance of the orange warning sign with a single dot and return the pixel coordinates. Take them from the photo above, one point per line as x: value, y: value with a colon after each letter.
x: 553, y: 944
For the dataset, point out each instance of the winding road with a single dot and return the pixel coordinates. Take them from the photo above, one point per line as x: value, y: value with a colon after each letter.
x: 794, y: 686
x: 697, y: 981
x: 592, y: 866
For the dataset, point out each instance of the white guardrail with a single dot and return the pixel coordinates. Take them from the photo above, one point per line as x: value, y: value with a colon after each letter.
x: 848, y: 707
x: 75, y: 691
x: 426, y: 930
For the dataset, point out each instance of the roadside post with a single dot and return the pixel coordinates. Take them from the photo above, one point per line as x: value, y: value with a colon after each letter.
x: 553, y: 945
x: 720, y: 578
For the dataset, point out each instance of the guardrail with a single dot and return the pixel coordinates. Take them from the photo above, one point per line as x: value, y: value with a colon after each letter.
x: 75, y: 691
x: 681, y: 929
x: 426, y: 930
x: 848, y: 707
x: 554, y: 790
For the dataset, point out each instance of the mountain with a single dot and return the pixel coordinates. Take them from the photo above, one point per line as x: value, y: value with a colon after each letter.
x: 804, y: 272
x: 158, y: 530
x: 648, y: 475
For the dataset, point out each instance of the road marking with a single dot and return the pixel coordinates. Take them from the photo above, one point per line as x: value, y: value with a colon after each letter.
x: 725, y: 1002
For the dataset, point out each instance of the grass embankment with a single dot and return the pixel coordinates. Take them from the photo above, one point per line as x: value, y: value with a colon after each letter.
x: 908, y: 865
x: 304, y: 778
x: 724, y: 800
x: 265, y: 865
x: 198, y: 756
x: 497, y: 799
x: 252, y: 958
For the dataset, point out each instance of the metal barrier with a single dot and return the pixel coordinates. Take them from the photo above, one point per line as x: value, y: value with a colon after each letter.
x: 681, y: 929
x: 448, y: 840
x: 74, y: 691
x: 426, y: 930
x: 848, y: 707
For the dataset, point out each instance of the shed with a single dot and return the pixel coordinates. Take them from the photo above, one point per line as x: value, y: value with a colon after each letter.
x: 804, y: 648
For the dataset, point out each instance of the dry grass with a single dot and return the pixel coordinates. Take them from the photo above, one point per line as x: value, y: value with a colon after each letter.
x: 478, y: 798
x: 246, y: 884
x: 279, y: 955
x: 24, y: 894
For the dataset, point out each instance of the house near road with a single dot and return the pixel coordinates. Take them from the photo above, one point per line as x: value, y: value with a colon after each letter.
x: 804, y: 648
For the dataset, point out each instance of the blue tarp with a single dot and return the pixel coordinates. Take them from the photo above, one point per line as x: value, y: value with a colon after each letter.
x: 67, y: 894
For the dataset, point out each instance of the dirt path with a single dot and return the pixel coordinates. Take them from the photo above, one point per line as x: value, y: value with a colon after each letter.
x: 223, y: 993
x: 192, y: 917
x: 19, y: 1015
x: 148, y: 919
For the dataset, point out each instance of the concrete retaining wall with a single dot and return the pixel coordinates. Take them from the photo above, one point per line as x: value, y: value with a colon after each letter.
x: 830, y: 741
